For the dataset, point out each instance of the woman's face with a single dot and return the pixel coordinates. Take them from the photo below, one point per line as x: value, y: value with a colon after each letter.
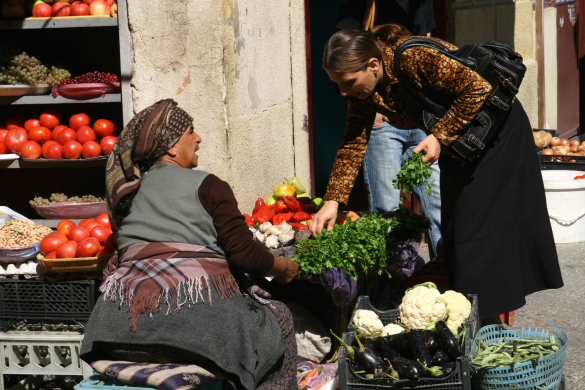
x: 185, y: 149
x: 361, y: 84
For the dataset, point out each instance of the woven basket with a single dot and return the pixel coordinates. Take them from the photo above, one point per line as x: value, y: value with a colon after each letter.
x: 541, y: 374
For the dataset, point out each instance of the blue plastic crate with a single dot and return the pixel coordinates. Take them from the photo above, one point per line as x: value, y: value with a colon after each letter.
x: 541, y: 374
x: 98, y: 382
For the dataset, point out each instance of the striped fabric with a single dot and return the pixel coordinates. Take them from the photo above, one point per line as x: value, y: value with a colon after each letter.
x: 147, y: 275
x: 161, y: 376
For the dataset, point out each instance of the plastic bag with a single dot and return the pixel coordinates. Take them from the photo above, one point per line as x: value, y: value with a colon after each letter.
x: 313, y: 376
x: 85, y: 90
x: 342, y: 287
x: 403, y: 262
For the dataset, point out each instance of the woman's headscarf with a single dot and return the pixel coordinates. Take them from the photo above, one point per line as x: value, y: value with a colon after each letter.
x: 149, y: 135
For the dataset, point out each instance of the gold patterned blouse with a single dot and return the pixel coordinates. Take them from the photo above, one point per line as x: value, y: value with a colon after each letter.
x: 427, y: 69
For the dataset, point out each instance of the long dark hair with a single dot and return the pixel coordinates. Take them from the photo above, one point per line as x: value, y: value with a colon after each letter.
x: 351, y: 50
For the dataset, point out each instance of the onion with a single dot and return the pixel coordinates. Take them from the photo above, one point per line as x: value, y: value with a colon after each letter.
x: 564, y: 141
x: 548, y: 152
x: 572, y: 160
x: 573, y: 149
x: 114, y: 10
x: 555, y: 141
x: 99, y: 7
x: 575, y: 143
x: 87, y: 2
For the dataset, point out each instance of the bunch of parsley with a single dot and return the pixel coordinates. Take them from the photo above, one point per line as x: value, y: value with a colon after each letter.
x: 414, y: 172
x: 358, y: 247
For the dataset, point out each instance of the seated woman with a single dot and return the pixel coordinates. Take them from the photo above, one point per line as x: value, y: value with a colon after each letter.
x: 183, y: 247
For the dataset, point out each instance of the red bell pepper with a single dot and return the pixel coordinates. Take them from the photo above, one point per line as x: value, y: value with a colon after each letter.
x: 249, y: 220
x: 300, y: 217
x: 278, y: 219
x: 287, y: 216
x: 280, y: 207
x: 259, y: 203
x: 292, y: 203
x: 299, y: 226
x: 264, y: 214
x: 309, y: 208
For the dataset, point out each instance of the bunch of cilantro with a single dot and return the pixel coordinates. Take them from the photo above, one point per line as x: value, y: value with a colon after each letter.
x: 358, y: 247
x: 413, y: 172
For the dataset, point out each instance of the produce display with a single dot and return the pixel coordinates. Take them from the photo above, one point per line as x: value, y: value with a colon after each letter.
x: 59, y: 198
x: 92, y: 237
x: 47, y: 137
x: 71, y: 8
x: 92, y: 77
x: 17, y: 67
x: 559, y: 149
x: 21, y: 233
x: 400, y: 350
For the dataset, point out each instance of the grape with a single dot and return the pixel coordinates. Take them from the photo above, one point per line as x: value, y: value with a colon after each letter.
x: 19, y: 68
x: 92, y: 77
x: 59, y: 197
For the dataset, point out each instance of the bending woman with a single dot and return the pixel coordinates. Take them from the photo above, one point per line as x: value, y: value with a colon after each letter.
x: 183, y: 245
x: 497, y: 236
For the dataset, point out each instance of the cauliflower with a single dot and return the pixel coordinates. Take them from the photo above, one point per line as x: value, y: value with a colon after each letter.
x: 260, y: 236
x: 422, y: 305
x: 271, y: 241
x: 264, y: 227
x: 274, y: 230
x: 459, y: 308
x: 285, y: 227
x: 367, y: 319
x: 286, y: 236
x: 391, y: 329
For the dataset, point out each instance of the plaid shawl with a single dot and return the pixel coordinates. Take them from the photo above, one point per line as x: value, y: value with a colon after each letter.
x: 148, y: 274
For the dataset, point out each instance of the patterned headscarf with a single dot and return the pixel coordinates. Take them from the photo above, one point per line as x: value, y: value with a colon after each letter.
x: 149, y: 135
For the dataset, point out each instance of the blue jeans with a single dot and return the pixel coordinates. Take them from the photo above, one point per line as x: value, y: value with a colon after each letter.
x: 388, y: 148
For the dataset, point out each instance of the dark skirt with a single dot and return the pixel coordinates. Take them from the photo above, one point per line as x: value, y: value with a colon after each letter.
x: 497, y: 237
x: 245, y: 340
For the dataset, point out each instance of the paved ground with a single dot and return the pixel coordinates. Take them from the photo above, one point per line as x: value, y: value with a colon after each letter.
x: 563, y: 308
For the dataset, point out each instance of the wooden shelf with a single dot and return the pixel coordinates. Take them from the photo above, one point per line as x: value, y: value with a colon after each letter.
x: 57, y: 23
x: 43, y: 164
x: 48, y: 99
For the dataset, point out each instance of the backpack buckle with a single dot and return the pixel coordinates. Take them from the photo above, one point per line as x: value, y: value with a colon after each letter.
x: 496, y: 101
x: 472, y: 139
x: 506, y: 81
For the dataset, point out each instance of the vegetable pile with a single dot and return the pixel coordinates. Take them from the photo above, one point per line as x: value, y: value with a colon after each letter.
x: 400, y: 350
x: 17, y: 233
x: 559, y: 149
x: 509, y: 351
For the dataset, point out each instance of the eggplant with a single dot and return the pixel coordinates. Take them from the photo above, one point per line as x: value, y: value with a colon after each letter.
x: 399, y: 343
x: 448, y: 340
x: 439, y: 358
x: 406, y: 368
x: 419, y: 349
x: 431, y: 340
x: 369, y: 360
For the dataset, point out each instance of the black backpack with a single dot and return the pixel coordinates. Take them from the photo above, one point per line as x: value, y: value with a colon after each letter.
x: 496, y: 62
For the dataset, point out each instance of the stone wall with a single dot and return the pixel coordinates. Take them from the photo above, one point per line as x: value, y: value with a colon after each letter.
x: 503, y: 20
x: 238, y: 67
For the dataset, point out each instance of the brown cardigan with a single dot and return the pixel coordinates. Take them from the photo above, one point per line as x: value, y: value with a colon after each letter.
x: 426, y: 69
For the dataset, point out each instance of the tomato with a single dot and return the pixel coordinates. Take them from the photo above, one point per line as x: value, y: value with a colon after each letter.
x: 85, y: 133
x: 57, y: 130
x: 50, y: 119
x: 66, y: 135
x: 103, y: 219
x: 90, y: 225
x: 65, y: 226
x: 39, y: 134
x: 78, y: 233
x: 91, y: 149
x: 103, y: 251
x: 86, y: 221
x: 15, y: 138
x: 51, y: 255
x: 3, y: 149
x: 107, y: 144
x: 31, y: 123
x: 101, y: 233
x: 78, y: 120
x: 3, y: 134
x: 54, y: 151
x: 88, y: 247
x: 104, y: 127
x: 67, y: 250
x: 45, y: 146
x: 30, y: 150
x: 15, y: 121
x: 72, y: 150
x: 51, y: 242
x: 111, y: 242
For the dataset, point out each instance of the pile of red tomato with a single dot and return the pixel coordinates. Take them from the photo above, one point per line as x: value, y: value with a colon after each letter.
x: 92, y: 237
x: 49, y: 138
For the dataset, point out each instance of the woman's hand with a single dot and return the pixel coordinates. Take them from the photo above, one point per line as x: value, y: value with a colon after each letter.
x: 284, y: 270
x: 325, y: 218
x: 380, y: 120
x: 432, y: 148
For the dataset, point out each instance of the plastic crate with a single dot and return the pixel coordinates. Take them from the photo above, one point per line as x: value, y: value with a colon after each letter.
x: 565, y: 163
x: 41, y: 353
x: 34, y: 299
x: 458, y: 380
x: 541, y: 374
x: 98, y: 382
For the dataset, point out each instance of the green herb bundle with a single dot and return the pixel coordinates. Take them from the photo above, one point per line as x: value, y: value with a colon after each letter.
x: 414, y: 172
x: 356, y: 247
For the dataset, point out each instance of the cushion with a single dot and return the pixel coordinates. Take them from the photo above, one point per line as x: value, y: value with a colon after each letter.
x: 161, y: 376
